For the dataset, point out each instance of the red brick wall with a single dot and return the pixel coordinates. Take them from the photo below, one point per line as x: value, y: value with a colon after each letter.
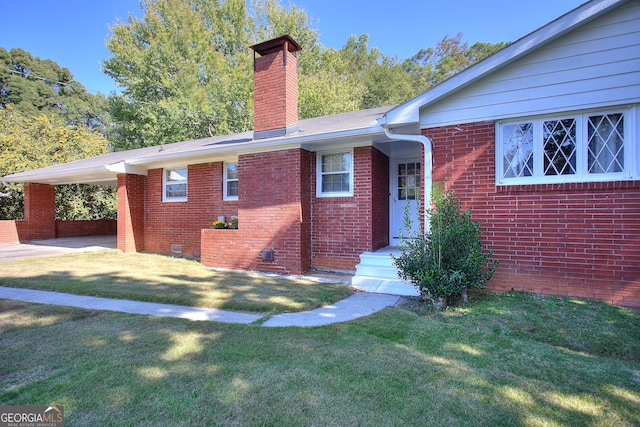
x: 273, y: 212
x: 275, y: 208
x: 9, y: 231
x: 99, y: 227
x: 179, y: 224
x: 275, y: 91
x: 131, y: 201
x: 344, y: 227
x: 39, y: 214
x: 580, y: 239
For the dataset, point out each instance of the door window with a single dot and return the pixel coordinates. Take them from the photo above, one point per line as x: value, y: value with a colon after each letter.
x: 408, y: 181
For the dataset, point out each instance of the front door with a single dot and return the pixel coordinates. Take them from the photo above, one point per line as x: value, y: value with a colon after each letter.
x: 405, y: 194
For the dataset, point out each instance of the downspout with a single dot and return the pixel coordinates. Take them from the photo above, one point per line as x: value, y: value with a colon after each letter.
x: 427, y: 162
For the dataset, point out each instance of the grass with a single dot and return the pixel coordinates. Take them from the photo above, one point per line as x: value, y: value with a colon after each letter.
x: 472, y: 366
x: 162, y: 279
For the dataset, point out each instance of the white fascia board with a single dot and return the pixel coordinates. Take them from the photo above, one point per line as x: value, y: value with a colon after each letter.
x: 409, y: 112
x: 124, y: 167
x: 60, y: 176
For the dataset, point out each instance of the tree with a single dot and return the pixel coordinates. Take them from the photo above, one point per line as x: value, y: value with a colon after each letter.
x: 34, y: 86
x: 383, y: 80
x: 184, y: 69
x: 46, y: 117
x: 450, y: 56
x: 28, y: 143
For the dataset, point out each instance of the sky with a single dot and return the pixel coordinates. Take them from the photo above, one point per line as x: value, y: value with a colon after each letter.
x: 73, y: 32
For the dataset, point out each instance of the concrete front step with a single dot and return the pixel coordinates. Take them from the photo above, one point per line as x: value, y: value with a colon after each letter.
x: 383, y: 286
x: 376, y: 273
x: 388, y: 272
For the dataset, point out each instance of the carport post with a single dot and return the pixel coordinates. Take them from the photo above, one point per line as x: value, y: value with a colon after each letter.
x: 131, y: 212
x: 39, y: 212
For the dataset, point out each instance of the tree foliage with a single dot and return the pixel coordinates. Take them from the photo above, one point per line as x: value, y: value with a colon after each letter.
x: 46, y: 118
x: 450, y: 258
x: 32, y: 142
x: 40, y: 86
x: 183, y: 70
x: 431, y: 66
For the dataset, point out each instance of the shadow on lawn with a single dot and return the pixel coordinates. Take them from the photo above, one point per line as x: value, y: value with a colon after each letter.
x: 392, y: 368
x: 197, y: 287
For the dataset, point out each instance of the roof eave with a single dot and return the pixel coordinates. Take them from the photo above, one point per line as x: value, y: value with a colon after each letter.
x: 99, y: 175
x: 293, y: 141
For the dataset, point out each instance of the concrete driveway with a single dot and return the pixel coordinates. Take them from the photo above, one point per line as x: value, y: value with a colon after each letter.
x: 53, y: 247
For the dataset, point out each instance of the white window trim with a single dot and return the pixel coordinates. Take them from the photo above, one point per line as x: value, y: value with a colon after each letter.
x: 319, y: 174
x: 164, y: 185
x: 225, y: 180
x: 631, y: 149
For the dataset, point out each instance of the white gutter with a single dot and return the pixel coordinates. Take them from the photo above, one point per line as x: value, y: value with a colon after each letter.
x: 427, y: 166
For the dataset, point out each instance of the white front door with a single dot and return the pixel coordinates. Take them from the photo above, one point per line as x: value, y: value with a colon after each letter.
x: 405, y: 194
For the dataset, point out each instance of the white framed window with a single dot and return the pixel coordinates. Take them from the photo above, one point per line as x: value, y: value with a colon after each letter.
x: 174, y: 185
x: 334, y: 174
x: 585, y: 147
x: 230, y: 191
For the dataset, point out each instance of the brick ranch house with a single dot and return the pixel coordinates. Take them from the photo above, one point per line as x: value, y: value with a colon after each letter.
x: 540, y: 141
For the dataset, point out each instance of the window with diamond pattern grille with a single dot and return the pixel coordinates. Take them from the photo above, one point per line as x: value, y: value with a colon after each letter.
x: 559, y: 139
x: 583, y: 147
x: 606, y: 143
x: 518, y: 150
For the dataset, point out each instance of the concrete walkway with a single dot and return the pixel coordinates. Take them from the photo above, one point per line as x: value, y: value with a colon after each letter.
x: 353, y: 307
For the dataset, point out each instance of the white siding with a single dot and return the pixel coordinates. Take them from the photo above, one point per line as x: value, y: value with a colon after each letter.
x: 596, y: 65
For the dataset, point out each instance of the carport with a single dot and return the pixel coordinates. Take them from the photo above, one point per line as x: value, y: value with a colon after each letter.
x: 39, y: 221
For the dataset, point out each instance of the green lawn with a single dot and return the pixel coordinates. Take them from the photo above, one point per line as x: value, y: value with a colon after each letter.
x: 503, y: 360
x: 162, y: 279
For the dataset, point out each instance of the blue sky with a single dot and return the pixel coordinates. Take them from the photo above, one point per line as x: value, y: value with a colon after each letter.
x: 73, y: 32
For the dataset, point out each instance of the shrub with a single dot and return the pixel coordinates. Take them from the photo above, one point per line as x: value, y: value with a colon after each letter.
x: 449, y: 259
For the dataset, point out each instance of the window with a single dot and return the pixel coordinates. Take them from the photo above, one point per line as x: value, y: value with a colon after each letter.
x: 582, y: 147
x: 230, y: 181
x: 334, y: 174
x: 408, y: 181
x: 175, y: 185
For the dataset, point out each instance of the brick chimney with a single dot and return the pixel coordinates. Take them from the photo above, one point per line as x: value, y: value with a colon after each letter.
x: 275, y: 88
